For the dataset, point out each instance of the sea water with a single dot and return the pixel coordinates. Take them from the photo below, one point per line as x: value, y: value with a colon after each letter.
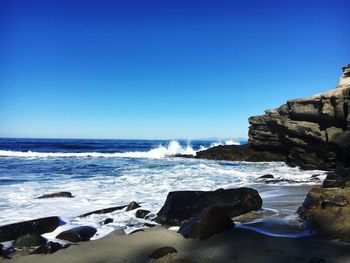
x: 106, y: 173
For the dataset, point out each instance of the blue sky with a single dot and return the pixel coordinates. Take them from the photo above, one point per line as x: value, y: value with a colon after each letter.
x: 162, y: 69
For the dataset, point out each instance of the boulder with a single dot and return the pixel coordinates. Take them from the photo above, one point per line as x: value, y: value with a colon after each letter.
x: 182, y: 205
x: 49, y: 248
x: 77, y: 234
x: 30, y: 240
x: 161, y: 252
x: 36, y: 226
x: 133, y: 205
x: 141, y: 213
x: 327, y: 212
x: 54, y: 195
x: 212, y: 220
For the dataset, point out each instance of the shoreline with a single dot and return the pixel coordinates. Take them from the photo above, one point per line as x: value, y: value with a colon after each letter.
x: 235, y: 245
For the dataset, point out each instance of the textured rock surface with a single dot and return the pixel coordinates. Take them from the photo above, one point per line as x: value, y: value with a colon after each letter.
x: 212, y: 220
x: 30, y: 240
x: 37, y: 226
x: 327, y: 211
x: 313, y: 133
x: 183, y: 205
x: 161, y: 252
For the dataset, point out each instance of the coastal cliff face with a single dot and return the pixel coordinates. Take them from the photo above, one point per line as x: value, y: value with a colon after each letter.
x: 313, y: 133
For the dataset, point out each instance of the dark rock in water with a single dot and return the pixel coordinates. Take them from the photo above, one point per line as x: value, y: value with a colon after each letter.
x: 104, y: 211
x: 78, y: 234
x: 239, y: 153
x: 161, y: 252
x: 314, y: 133
x: 141, y: 213
x: 107, y: 221
x: 334, y: 179
x: 49, y: 248
x: 59, y: 194
x: 278, y: 181
x: 182, y: 205
x: 212, y: 220
x: 267, y: 176
x: 327, y: 211
x: 133, y: 205
x: 30, y: 240
x: 36, y: 226
x: 184, y: 155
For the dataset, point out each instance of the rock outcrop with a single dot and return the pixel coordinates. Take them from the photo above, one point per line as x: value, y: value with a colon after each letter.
x: 327, y: 212
x: 313, y: 133
x: 183, y: 205
x: 240, y: 153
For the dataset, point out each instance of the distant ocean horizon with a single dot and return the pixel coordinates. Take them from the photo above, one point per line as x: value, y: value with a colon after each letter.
x: 102, y: 173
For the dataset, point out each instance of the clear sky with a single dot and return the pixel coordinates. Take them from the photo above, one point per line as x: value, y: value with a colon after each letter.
x: 162, y: 69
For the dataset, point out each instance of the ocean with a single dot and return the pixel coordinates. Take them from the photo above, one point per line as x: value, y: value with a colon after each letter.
x: 106, y: 173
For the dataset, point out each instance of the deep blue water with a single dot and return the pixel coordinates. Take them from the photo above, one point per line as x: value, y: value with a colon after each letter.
x: 91, y: 145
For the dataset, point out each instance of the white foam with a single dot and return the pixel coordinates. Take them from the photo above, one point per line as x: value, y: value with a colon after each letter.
x: 145, y: 180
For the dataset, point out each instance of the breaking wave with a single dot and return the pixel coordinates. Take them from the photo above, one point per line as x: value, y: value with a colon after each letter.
x: 172, y: 149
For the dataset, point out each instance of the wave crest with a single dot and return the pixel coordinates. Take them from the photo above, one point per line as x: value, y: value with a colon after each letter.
x: 173, y: 148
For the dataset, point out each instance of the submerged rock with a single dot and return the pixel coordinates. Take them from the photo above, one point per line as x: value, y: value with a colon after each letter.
x: 36, y: 226
x: 212, y: 220
x: 267, y: 176
x: 77, y: 234
x: 104, y: 211
x: 30, y: 240
x: 133, y: 205
x: 161, y: 252
x: 54, y: 195
x: 327, y: 211
x: 182, y: 205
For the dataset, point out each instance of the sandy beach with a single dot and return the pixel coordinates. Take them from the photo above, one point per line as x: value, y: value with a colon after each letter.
x: 236, y: 245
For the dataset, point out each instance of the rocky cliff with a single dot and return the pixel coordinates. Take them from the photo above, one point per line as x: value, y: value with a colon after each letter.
x: 313, y: 133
